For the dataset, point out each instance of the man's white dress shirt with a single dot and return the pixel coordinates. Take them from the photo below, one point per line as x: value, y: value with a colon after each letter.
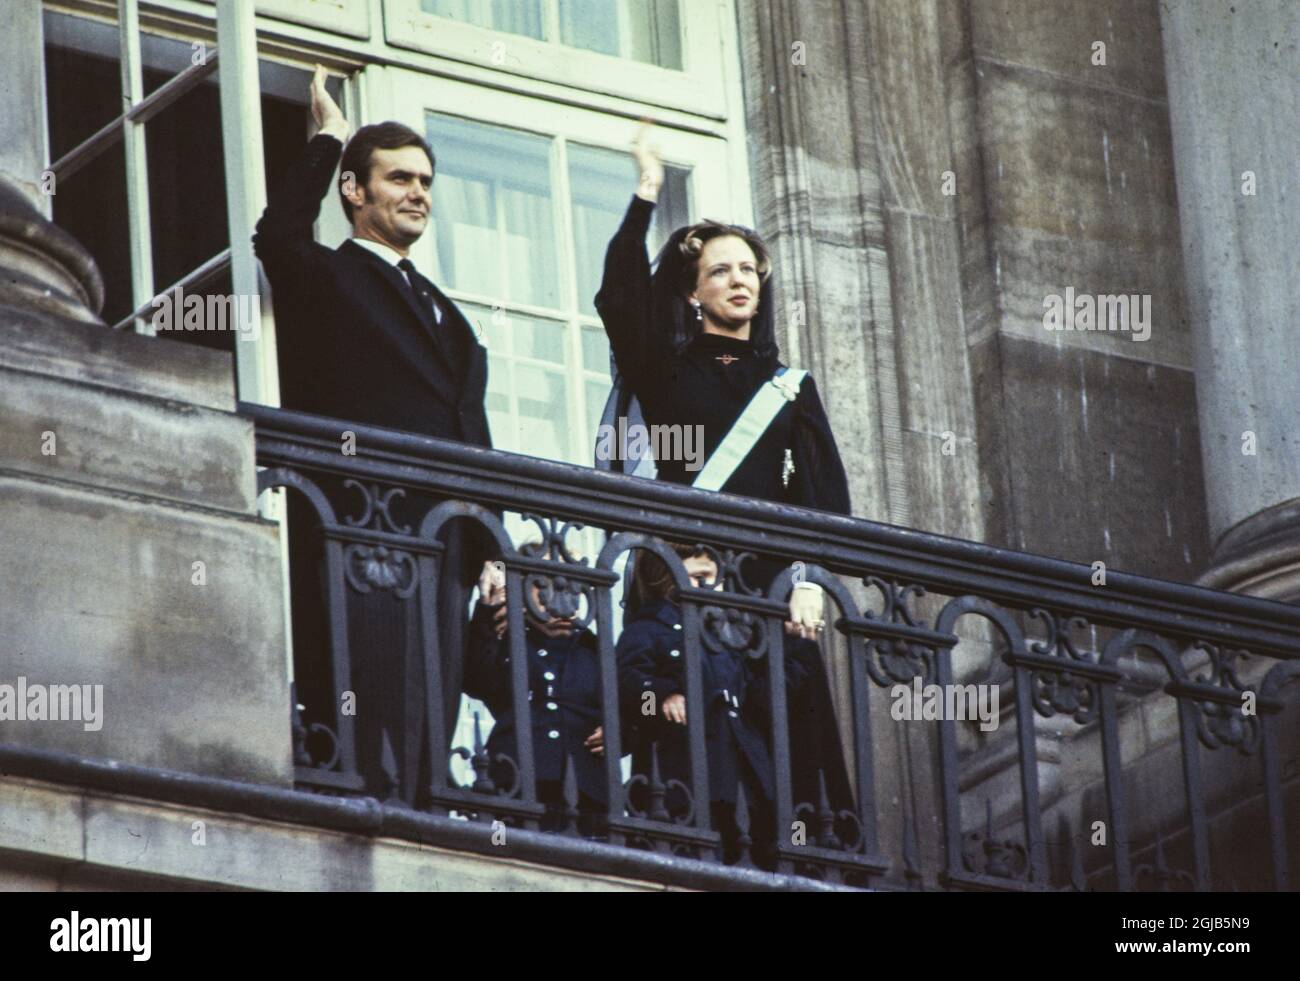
x: 392, y: 257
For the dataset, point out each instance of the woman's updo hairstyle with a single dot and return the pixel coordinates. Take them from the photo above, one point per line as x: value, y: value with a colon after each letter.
x: 697, y: 235
x: 676, y: 271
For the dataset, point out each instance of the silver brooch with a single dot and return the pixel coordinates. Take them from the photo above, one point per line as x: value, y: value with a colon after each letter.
x: 785, y: 388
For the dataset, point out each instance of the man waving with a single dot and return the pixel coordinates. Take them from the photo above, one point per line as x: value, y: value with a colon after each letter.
x: 364, y: 338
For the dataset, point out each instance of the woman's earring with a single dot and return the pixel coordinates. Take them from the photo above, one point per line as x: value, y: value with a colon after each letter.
x: 699, y: 314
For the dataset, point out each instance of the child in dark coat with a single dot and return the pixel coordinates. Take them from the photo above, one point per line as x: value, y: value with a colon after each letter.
x: 564, y: 703
x: 652, y: 686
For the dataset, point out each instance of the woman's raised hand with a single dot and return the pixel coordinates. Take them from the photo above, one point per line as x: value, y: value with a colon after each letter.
x: 649, y: 164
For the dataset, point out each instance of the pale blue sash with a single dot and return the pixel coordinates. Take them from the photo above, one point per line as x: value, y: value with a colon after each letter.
x: 770, y: 398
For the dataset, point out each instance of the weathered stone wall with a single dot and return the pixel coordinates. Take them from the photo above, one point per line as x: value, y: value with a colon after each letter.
x: 122, y: 465
x: 1102, y: 446
x: 929, y: 172
x: 57, y: 838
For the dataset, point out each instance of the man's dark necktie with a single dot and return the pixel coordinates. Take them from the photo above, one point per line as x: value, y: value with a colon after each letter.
x: 419, y: 286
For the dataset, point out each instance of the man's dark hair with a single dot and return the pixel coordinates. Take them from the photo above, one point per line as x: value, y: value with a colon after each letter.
x: 380, y: 136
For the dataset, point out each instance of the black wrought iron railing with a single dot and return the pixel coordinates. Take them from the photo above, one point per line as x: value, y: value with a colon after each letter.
x: 1006, y: 721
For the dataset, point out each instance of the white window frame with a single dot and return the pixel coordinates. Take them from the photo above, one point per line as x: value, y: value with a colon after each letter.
x: 709, y: 159
x: 348, y: 17
x: 700, y: 87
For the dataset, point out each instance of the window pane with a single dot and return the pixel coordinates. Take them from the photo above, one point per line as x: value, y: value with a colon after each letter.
x: 543, y: 415
x: 597, y: 396
x: 512, y: 16
x: 496, y: 403
x: 643, y: 30
x: 595, y: 350
x: 674, y: 207
x: 527, y: 405
x: 493, y: 331
x: 492, y: 224
x: 491, y: 327
x: 603, y: 182
x: 540, y: 339
x: 516, y: 335
x: 83, y: 93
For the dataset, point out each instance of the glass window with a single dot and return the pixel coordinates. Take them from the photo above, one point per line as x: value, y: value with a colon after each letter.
x: 493, y: 229
x: 642, y: 30
x: 512, y: 16
x: 527, y: 400
x: 595, y: 349
x: 671, y: 53
x: 597, y: 395
x: 349, y: 17
x: 186, y: 174
x: 602, y: 186
x: 530, y: 296
x: 543, y: 420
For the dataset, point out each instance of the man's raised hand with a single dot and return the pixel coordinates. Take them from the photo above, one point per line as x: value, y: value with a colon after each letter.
x: 329, y: 117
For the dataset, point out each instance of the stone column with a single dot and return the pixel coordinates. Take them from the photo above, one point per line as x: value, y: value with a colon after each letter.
x: 1233, y: 104
x: 22, y: 102
x: 45, y: 268
x: 132, y: 561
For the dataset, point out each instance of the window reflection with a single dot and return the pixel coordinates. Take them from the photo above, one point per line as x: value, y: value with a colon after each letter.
x: 642, y: 30
x: 512, y: 16
x: 493, y: 229
x: 648, y: 31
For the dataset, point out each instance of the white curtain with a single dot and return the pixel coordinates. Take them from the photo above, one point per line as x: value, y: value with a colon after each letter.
x: 464, y: 226
x: 495, y: 234
x: 642, y: 30
x: 512, y: 16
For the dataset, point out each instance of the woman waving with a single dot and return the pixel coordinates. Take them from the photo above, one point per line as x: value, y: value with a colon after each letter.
x: 693, y: 342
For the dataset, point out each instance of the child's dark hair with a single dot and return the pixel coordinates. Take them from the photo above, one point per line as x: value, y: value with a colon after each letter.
x: 652, y: 580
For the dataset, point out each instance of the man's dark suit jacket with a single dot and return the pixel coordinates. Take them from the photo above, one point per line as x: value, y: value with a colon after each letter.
x: 356, y: 344
x: 354, y: 341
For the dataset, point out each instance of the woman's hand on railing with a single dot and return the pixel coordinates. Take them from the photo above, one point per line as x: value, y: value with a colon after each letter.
x: 807, y: 610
